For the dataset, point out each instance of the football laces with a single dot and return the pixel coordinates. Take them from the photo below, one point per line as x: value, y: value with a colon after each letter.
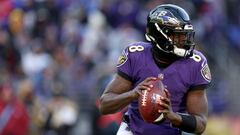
x: 144, y: 98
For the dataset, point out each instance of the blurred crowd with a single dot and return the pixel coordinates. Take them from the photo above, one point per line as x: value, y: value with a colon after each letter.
x: 56, y: 57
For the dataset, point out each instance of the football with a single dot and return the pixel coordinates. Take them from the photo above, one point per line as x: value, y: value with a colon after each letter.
x: 148, y: 102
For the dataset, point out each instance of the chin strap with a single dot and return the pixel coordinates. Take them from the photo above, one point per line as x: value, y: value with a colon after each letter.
x: 181, y: 52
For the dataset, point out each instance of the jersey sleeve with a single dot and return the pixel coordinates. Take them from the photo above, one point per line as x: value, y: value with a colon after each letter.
x: 201, y: 76
x: 125, y: 64
x: 131, y: 60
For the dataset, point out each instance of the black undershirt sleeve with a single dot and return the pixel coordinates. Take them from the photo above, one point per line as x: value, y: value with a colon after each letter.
x: 124, y: 75
x: 200, y: 87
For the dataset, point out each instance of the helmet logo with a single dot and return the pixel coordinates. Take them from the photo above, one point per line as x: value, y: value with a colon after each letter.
x: 173, y: 21
x: 158, y: 15
x: 165, y: 17
x: 162, y: 13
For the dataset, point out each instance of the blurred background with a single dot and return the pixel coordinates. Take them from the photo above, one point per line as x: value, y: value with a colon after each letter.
x: 56, y: 57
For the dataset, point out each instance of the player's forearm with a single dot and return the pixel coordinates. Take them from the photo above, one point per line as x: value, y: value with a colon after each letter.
x: 111, y: 102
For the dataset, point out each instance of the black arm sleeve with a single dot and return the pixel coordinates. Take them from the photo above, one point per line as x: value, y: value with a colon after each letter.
x: 200, y: 87
x: 125, y: 76
x: 189, y: 123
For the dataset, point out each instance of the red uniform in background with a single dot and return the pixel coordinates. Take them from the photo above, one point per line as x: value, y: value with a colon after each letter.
x: 14, y: 118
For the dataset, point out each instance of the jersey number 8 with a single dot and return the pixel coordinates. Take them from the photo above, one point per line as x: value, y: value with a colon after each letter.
x: 135, y: 48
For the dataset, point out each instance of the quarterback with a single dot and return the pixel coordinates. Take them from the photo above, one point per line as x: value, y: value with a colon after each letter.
x: 171, y: 52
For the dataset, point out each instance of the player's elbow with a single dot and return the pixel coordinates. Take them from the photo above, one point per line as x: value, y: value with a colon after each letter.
x: 103, y: 110
x: 103, y: 107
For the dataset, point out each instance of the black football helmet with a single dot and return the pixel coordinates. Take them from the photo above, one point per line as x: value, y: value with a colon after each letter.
x: 168, y: 24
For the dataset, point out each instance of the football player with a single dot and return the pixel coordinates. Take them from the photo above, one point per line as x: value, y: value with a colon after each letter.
x: 170, y: 51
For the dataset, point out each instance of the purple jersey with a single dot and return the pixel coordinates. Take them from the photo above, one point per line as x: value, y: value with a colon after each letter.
x: 137, y: 63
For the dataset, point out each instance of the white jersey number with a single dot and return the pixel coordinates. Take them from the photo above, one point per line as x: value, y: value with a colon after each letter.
x: 196, y: 58
x: 135, y: 48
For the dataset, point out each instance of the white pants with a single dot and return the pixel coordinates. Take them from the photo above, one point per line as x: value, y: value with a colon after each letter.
x: 124, y: 129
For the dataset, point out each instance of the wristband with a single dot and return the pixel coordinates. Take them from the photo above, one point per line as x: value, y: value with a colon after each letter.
x: 189, y: 123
